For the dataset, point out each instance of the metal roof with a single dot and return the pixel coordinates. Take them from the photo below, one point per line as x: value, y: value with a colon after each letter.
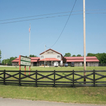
x: 52, y: 50
x: 68, y: 59
x: 81, y: 59
x: 33, y: 59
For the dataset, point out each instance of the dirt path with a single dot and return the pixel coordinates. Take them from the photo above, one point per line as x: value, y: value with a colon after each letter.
x: 19, y: 102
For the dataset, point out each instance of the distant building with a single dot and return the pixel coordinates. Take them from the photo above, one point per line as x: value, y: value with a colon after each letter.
x: 51, y: 57
x: 79, y: 61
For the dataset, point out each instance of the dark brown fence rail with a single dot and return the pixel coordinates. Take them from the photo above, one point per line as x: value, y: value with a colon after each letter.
x: 54, y: 78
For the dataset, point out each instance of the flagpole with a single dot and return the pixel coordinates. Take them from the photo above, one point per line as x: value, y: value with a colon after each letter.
x: 29, y: 38
x: 29, y: 44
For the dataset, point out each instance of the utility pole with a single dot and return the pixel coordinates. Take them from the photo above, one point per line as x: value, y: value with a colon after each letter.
x: 84, y: 32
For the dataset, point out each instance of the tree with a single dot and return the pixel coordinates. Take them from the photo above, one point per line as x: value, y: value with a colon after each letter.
x: 90, y: 54
x: 32, y: 55
x: 11, y: 59
x: 5, y: 61
x: 100, y: 56
x: 67, y: 55
x: 0, y: 56
x: 78, y: 55
x: 8, y: 61
x: 103, y: 58
x: 73, y: 55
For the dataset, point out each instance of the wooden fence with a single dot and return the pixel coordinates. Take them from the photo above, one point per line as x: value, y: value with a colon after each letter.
x: 54, y: 78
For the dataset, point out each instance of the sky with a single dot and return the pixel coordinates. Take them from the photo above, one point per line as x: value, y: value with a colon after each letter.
x: 47, y: 19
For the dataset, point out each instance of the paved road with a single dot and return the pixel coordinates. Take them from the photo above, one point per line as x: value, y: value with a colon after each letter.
x: 19, y: 102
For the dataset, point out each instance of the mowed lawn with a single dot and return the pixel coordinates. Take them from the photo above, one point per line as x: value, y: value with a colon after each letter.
x: 54, y: 68
x: 92, y: 95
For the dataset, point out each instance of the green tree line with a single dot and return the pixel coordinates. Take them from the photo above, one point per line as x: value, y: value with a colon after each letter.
x: 69, y: 55
x: 8, y: 61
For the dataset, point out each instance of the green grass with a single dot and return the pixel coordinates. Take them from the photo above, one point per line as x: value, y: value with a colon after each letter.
x: 55, y: 68
x: 92, y: 95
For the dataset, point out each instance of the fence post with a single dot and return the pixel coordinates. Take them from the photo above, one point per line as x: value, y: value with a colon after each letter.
x: 4, y: 77
x: 19, y: 77
x: 73, y: 78
x: 54, y: 78
x: 36, y: 78
x: 94, y: 78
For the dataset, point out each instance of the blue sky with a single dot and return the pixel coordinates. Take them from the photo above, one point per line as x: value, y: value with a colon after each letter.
x: 14, y: 36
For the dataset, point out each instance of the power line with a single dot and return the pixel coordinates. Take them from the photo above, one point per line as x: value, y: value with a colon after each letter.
x: 96, y: 10
x: 50, y: 14
x: 65, y: 24
x: 37, y: 15
x: 48, y: 17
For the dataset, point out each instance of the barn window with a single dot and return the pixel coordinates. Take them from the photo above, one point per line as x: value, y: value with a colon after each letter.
x: 42, y: 57
x: 58, y: 56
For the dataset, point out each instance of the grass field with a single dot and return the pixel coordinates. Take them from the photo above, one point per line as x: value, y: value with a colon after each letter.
x: 92, y: 95
x: 55, y: 68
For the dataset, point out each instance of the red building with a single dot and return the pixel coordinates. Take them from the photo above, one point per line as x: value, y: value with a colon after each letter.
x: 51, y: 57
x: 79, y: 61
